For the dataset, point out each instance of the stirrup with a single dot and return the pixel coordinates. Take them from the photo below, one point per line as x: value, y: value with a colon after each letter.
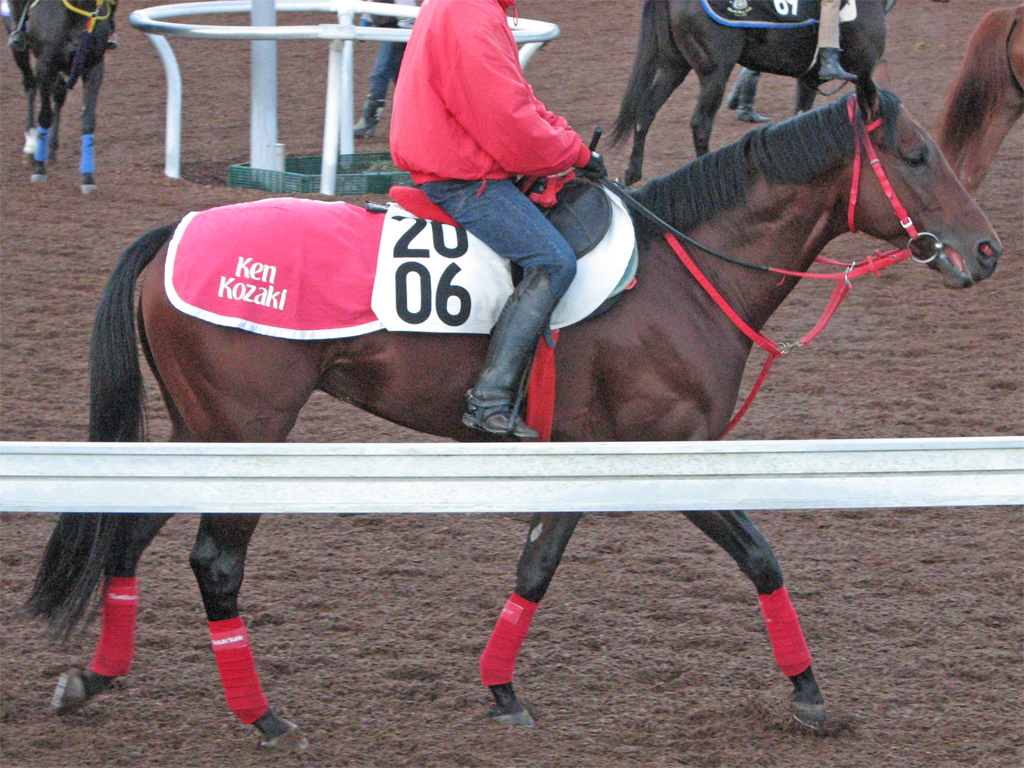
x: 495, y: 417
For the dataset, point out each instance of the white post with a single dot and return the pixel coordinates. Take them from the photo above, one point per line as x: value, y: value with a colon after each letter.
x: 346, y: 116
x: 332, y: 109
x: 172, y: 121
x: 263, y: 90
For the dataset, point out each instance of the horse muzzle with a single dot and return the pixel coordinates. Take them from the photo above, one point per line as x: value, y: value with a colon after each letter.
x: 957, y: 271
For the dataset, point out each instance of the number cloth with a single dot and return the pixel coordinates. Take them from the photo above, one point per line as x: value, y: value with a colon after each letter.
x: 306, y: 269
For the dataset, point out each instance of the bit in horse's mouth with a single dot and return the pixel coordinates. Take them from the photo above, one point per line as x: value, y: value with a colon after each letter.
x: 954, y: 271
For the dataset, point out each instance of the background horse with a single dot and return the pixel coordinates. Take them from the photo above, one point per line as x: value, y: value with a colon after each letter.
x: 58, y: 38
x: 987, y: 97
x: 664, y: 364
x: 678, y: 36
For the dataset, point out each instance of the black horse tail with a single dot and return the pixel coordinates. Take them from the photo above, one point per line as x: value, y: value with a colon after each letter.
x: 654, y: 26
x: 83, y: 546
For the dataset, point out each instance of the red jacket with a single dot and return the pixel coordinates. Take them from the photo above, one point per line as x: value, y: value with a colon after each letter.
x: 462, y: 108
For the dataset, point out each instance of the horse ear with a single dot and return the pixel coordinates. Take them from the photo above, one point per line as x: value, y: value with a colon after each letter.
x: 867, y: 97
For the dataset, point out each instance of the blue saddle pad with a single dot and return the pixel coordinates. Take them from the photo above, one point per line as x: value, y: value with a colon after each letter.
x: 771, y: 14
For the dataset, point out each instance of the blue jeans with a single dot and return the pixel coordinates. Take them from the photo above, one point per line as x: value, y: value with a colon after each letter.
x: 385, y: 68
x: 509, y: 223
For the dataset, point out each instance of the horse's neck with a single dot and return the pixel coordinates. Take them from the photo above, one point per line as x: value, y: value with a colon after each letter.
x: 785, y: 229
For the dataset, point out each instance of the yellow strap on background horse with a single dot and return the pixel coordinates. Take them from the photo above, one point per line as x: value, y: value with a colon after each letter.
x: 93, y: 16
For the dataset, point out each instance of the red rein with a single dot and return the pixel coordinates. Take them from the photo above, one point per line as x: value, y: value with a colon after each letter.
x: 875, y: 263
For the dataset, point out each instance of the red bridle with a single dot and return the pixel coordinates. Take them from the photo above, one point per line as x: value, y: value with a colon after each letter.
x: 874, y: 263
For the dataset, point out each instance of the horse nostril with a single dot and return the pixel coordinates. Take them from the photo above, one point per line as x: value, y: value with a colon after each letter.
x: 989, y: 253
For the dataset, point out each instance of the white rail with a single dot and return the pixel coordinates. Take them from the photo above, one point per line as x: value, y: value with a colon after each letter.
x: 531, y: 35
x: 447, y: 477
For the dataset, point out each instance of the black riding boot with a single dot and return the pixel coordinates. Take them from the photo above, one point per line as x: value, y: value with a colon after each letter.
x: 830, y: 68
x: 513, y: 342
x: 373, y: 111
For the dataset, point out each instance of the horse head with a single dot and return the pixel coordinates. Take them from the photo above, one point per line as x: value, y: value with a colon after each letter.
x: 904, y: 192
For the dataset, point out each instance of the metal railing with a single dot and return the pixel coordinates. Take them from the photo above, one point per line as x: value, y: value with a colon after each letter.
x: 405, y: 478
x: 265, y: 152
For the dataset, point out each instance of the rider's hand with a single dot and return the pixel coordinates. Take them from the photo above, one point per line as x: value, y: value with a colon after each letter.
x: 594, y: 170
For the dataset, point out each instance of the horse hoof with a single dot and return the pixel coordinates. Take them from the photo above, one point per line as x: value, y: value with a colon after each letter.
x: 87, y: 188
x: 517, y: 716
x: 69, y: 696
x: 292, y: 740
x: 809, y: 715
x: 38, y: 177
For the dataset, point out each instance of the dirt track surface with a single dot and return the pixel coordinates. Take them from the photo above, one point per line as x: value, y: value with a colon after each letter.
x: 649, y: 649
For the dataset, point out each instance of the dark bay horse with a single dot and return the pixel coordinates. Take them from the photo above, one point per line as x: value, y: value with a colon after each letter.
x: 987, y: 97
x: 678, y: 36
x: 59, y: 39
x: 664, y: 364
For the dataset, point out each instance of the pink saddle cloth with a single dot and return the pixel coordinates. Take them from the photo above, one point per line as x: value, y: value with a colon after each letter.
x: 287, y: 267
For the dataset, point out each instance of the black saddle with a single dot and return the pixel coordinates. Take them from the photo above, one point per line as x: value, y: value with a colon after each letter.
x: 582, y: 215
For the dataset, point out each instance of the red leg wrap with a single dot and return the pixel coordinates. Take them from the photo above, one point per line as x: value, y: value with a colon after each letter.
x: 498, y: 662
x: 784, y: 631
x: 116, y: 646
x: 242, y: 687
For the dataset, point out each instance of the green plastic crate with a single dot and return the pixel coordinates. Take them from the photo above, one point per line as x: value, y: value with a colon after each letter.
x: 370, y: 173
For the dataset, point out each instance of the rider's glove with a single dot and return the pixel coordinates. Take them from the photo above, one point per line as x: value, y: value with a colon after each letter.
x: 594, y: 170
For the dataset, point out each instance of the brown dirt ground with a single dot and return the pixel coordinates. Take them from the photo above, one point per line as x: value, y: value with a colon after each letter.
x: 649, y: 649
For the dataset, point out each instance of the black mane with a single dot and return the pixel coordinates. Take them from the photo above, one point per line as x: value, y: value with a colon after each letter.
x: 792, y: 152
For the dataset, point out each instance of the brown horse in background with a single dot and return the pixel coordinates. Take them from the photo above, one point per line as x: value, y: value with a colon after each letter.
x: 987, y: 97
x: 665, y: 363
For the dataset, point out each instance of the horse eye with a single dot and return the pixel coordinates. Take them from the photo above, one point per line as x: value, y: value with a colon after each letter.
x: 917, y: 158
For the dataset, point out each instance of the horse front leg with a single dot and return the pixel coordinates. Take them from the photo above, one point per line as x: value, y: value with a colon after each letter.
x: 116, y: 646
x: 46, y: 145
x: 92, y: 79
x: 666, y: 80
x: 23, y: 59
x: 545, y: 544
x: 739, y: 537
x: 218, y: 562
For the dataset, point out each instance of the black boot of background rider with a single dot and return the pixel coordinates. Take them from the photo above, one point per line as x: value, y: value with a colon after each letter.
x: 373, y: 111
x: 513, y: 342
x: 830, y: 68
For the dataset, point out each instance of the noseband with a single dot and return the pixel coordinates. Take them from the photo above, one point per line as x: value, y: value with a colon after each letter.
x: 924, y: 242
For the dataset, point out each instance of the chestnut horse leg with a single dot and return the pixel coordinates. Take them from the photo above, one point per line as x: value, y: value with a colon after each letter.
x: 116, y: 645
x: 545, y: 544
x: 739, y: 537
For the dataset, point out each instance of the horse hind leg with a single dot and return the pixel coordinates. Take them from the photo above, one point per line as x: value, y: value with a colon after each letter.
x: 739, y: 537
x: 218, y: 562
x: 115, y: 648
x: 545, y: 544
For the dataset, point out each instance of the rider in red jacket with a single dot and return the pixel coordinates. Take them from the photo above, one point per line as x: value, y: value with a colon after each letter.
x: 465, y: 123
